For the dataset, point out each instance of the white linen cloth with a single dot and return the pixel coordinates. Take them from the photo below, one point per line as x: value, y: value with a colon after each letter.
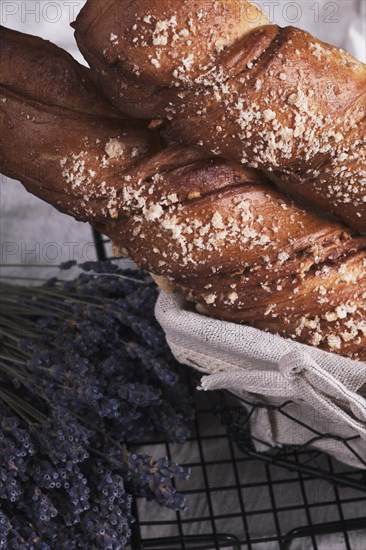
x: 325, y: 388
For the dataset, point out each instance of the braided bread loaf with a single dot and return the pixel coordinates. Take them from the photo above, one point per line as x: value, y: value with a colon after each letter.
x: 239, y: 248
x: 224, y: 79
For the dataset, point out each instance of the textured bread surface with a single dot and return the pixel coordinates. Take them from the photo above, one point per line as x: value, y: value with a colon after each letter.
x: 225, y: 80
x: 215, y: 229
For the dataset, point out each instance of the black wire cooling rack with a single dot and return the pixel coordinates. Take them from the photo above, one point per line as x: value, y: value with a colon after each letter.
x: 241, y: 499
x: 227, y: 508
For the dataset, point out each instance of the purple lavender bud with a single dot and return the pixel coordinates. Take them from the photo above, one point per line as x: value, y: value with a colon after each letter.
x: 67, y: 265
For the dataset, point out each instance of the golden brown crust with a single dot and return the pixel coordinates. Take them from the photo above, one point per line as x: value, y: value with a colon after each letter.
x: 275, y: 99
x: 246, y: 253
x: 56, y: 78
x: 219, y: 231
x: 51, y: 111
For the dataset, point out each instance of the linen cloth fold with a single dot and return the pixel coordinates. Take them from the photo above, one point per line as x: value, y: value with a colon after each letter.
x: 324, y: 393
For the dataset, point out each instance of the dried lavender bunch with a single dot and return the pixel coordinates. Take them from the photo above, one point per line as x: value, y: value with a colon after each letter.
x: 84, y: 372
